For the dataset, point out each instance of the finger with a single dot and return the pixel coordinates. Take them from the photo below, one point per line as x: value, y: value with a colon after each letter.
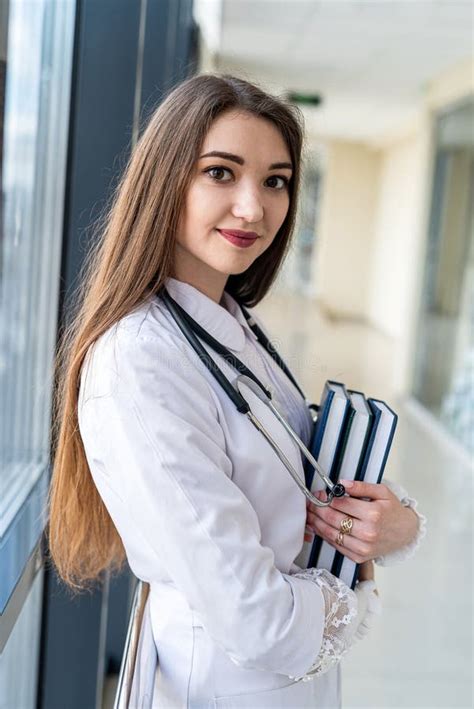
x: 308, y: 534
x: 359, y: 488
x: 351, y: 506
x: 355, y: 549
x: 346, y: 505
x: 334, y: 519
x: 363, y: 531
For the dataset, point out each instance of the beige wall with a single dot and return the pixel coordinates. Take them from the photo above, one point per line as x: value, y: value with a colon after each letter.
x: 373, y: 222
x: 346, y: 229
x: 401, y: 224
x: 397, y: 232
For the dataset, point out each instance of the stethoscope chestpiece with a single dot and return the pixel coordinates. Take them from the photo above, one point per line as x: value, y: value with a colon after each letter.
x: 338, y: 490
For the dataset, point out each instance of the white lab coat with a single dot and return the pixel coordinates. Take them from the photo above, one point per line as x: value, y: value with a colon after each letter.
x: 208, y: 514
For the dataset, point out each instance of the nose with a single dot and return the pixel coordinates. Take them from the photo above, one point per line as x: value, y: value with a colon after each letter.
x: 248, y: 204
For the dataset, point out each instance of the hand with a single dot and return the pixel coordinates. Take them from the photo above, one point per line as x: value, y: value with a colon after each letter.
x: 367, y: 572
x: 381, y: 524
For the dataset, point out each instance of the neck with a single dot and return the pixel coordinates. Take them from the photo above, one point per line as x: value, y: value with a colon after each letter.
x: 200, y: 276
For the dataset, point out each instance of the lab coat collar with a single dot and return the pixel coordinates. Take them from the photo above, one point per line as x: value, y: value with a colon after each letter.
x: 226, y: 322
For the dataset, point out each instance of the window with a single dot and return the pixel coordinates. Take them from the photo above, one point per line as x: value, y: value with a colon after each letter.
x: 444, y: 367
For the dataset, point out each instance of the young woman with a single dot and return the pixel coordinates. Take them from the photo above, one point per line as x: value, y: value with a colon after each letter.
x: 154, y: 462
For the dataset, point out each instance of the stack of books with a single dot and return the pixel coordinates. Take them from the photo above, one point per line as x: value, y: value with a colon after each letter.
x: 351, y: 440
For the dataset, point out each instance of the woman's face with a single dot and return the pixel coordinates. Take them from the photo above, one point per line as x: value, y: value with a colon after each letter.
x: 240, y: 184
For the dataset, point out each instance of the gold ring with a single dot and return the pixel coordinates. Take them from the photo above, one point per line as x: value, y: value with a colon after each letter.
x: 340, y: 539
x: 346, y: 525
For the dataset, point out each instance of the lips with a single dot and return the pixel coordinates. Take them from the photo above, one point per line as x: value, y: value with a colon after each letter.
x: 237, y: 237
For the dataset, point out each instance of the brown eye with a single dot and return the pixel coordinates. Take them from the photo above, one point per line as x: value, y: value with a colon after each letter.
x: 216, y: 172
x: 283, y: 182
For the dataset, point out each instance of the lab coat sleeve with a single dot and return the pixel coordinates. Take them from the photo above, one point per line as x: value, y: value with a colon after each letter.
x: 152, y: 437
x: 410, y: 549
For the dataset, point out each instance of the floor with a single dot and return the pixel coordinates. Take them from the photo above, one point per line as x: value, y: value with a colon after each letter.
x: 420, y: 652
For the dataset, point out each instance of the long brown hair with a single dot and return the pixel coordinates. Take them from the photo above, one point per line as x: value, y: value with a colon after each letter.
x: 133, y: 255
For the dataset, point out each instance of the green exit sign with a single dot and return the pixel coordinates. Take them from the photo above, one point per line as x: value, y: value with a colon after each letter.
x: 305, y: 99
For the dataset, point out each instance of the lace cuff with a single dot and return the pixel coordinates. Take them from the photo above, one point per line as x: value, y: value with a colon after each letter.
x: 407, y: 551
x: 340, y: 604
x: 368, y: 607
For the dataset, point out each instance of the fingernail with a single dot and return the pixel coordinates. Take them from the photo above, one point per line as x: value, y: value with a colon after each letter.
x: 347, y: 483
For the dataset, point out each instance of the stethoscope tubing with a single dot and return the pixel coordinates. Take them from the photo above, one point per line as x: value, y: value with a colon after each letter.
x: 189, y: 327
x: 258, y: 392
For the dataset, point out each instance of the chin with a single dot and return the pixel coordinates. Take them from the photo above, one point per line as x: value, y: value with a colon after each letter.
x: 239, y: 268
x: 234, y: 268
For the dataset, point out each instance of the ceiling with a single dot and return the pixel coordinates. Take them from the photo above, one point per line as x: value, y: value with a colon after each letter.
x: 371, y: 61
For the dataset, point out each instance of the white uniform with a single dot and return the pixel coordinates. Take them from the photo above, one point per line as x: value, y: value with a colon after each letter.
x: 208, y: 514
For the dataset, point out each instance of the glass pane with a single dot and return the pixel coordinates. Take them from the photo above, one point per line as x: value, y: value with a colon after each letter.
x: 19, y: 660
x: 37, y: 44
x: 444, y: 371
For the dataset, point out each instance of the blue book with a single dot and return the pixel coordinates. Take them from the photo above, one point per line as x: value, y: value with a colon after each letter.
x: 371, y: 470
x: 349, y: 460
x: 324, y: 446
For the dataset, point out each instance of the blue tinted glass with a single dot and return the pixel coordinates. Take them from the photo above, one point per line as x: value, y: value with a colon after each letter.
x: 38, y: 49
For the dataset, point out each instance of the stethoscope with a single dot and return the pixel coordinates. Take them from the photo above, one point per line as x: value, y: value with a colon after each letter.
x: 191, y: 330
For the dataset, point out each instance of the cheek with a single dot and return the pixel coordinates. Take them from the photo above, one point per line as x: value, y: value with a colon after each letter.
x: 203, y: 211
x: 193, y: 206
x: 192, y: 219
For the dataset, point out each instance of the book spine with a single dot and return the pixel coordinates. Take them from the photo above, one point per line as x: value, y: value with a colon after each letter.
x: 318, y: 433
x: 370, y: 442
x: 338, y: 458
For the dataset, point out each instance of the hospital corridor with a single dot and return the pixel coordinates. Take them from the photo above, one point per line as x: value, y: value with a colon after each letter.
x: 359, y: 262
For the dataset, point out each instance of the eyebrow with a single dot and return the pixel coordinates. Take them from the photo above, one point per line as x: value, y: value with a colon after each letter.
x: 241, y: 161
